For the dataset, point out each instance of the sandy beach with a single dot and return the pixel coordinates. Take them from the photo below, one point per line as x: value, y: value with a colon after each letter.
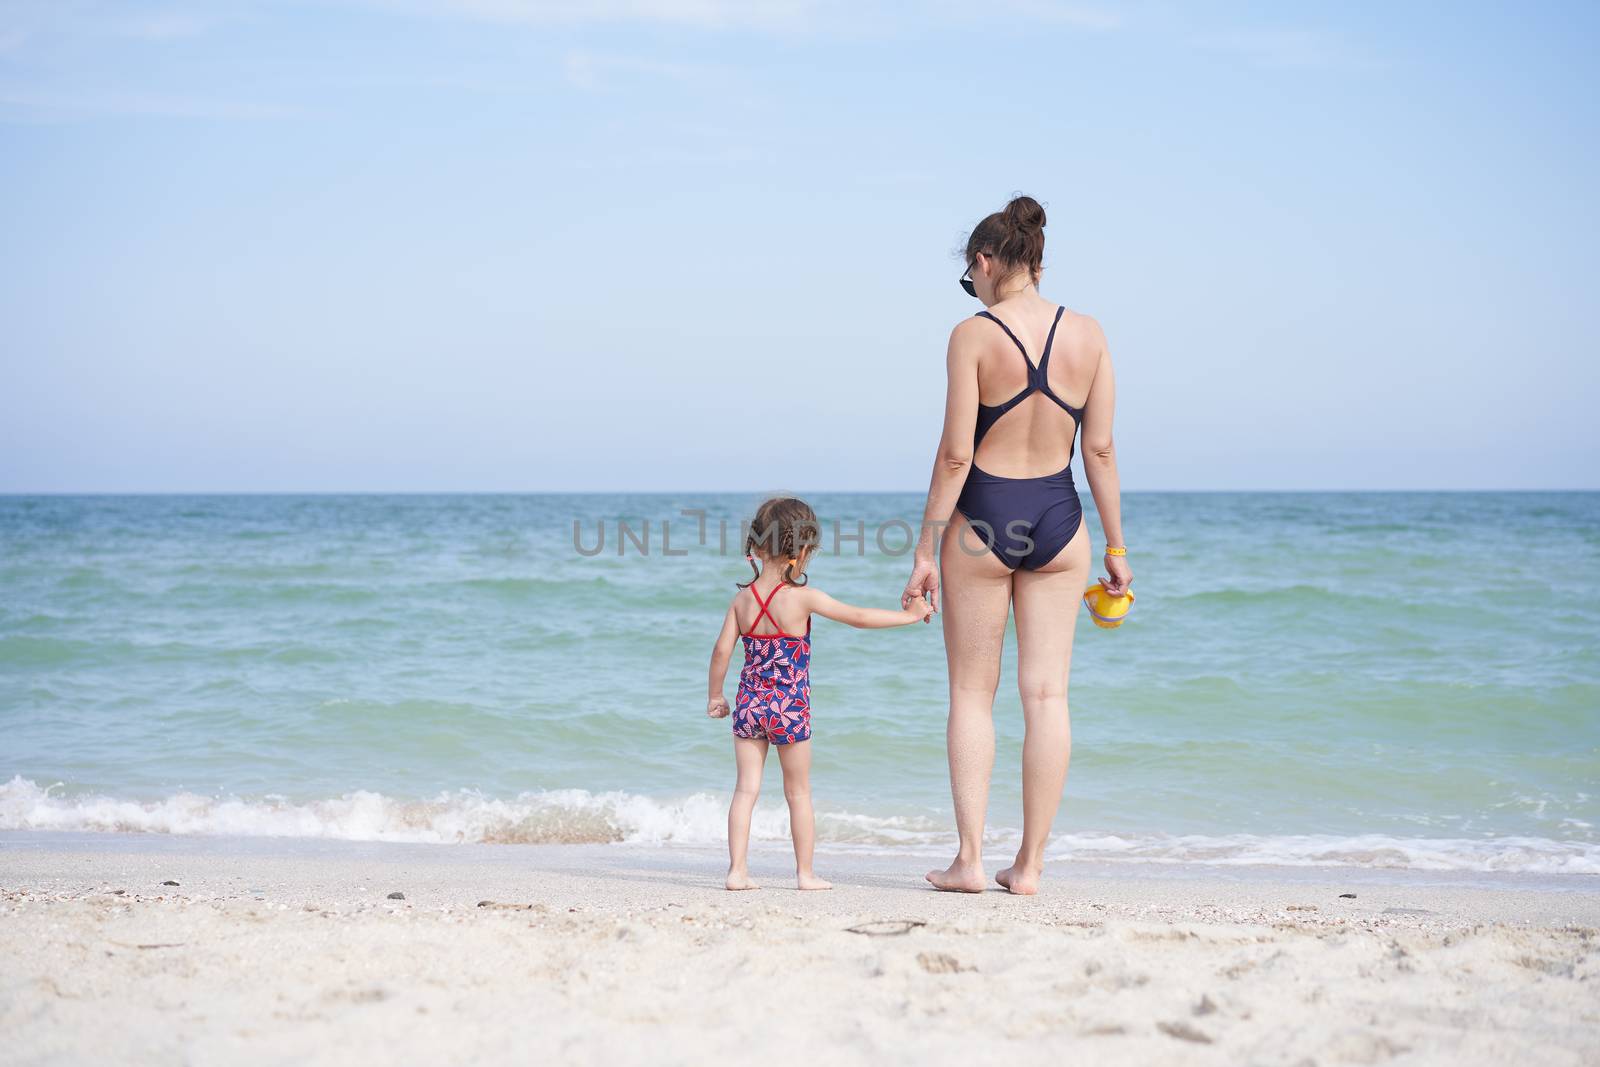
x: 272, y: 951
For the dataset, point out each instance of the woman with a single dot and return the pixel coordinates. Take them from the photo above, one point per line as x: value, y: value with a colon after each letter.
x: 1011, y: 528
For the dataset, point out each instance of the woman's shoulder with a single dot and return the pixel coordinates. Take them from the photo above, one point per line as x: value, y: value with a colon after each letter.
x: 1080, y: 322
x: 967, y: 339
x: 971, y: 325
x: 1079, y: 332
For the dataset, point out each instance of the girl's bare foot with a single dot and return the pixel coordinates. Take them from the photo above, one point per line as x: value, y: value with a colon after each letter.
x: 1022, y: 881
x: 811, y: 881
x: 740, y: 880
x: 958, y: 878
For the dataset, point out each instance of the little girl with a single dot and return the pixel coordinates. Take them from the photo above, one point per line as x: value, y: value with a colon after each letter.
x: 772, y: 613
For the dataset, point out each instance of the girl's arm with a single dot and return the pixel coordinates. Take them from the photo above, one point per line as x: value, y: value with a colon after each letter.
x: 1100, y: 465
x: 821, y: 603
x: 721, y: 655
x: 954, y: 459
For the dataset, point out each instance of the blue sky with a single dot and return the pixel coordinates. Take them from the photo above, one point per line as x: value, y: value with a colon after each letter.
x: 700, y: 244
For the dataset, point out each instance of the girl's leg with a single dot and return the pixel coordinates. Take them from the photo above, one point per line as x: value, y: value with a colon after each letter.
x: 977, y: 598
x: 750, y: 757
x: 796, y: 761
x: 1046, y: 603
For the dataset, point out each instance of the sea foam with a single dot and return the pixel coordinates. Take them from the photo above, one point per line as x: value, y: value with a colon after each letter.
x: 574, y: 816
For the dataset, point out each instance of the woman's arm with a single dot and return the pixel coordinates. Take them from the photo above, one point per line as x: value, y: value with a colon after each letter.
x: 953, y: 461
x: 721, y: 655
x: 821, y: 603
x: 1100, y: 464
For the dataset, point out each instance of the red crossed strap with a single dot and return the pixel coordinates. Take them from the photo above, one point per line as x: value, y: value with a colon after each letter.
x: 763, y: 605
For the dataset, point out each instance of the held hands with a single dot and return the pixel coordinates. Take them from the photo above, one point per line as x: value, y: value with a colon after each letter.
x: 717, y: 707
x: 924, y: 582
x: 919, y: 607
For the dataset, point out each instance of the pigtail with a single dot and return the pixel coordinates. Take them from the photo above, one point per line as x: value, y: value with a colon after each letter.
x: 750, y: 557
x: 794, y: 543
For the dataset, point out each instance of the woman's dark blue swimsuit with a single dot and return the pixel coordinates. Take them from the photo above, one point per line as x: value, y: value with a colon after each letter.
x: 1026, y: 521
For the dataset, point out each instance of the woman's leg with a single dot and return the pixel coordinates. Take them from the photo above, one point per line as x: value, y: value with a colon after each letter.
x: 1047, y: 604
x: 977, y: 597
x: 796, y: 761
x: 750, y: 757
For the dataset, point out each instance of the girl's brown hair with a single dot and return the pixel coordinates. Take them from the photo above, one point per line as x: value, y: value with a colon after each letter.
x: 1014, y: 236
x: 784, y: 528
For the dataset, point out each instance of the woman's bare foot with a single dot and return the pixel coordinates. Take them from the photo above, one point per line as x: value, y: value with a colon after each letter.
x: 811, y: 881
x: 740, y: 880
x: 1022, y: 881
x: 958, y: 878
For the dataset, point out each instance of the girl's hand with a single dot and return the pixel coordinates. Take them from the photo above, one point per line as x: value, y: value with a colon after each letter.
x: 717, y: 707
x: 924, y: 582
x: 919, y: 606
x: 1121, y: 575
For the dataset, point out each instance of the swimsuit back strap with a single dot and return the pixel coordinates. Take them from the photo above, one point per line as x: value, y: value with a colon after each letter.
x: 763, y: 605
x: 1044, y: 370
x: 1044, y: 360
x: 1020, y: 347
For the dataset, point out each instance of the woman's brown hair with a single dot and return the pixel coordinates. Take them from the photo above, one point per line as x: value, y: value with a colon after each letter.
x: 784, y: 528
x: 1014, y: 236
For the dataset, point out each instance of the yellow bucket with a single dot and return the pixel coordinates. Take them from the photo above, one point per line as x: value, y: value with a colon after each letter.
x: 1106, y: 610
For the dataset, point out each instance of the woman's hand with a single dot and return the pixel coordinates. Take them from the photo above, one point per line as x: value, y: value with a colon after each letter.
x: 919, y: 607
x: 1121, y: 576
x: 717, y: 707
x: 924, y: 582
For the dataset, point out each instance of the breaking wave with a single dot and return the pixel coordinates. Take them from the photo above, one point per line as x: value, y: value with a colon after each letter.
x: 577, y: 816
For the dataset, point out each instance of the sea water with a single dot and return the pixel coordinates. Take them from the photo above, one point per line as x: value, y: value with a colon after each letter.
x: 1370, y: 679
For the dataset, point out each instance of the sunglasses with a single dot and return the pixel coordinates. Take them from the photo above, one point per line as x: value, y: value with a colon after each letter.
x: 966, y: 280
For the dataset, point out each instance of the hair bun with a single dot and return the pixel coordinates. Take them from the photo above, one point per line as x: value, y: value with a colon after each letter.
x: 1024, y: 215
x: 1014, y: 236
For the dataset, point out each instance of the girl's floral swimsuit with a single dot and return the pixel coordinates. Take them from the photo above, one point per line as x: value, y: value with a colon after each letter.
x: 774, y: 699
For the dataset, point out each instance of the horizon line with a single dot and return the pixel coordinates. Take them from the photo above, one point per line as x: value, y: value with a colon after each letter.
x: 7, y: 493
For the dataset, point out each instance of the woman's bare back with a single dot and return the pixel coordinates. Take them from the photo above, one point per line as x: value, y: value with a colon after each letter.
x: 1035, y: 438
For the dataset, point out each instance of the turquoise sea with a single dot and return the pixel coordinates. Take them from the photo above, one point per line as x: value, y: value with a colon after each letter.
x: 1371, y: 679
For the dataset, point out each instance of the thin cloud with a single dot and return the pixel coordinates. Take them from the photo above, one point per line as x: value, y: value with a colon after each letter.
x: 600, y: 72
x: 709, y: 14
x: 30, y: 19
x: 681, y: 145
x: 1083, y: 16
x: 1280, y: 47
x: 163, y: 25
x: 22, y: 106
x: 895, y: 179
x: 647, y: 158
x: 779, y: 16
